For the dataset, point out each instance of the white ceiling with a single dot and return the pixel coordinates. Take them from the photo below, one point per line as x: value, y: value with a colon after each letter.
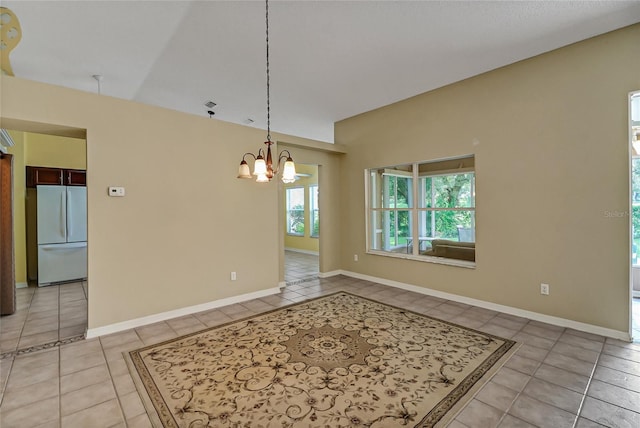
x: 329, y: 59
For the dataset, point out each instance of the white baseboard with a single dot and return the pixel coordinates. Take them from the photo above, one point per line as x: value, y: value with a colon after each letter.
x: 150, y: 319
x: 331, y: 273
x: 282, y: 284
x: 636, y: 293
x: 298, y: 250
x: 22, y: 285
x: 561, y: 322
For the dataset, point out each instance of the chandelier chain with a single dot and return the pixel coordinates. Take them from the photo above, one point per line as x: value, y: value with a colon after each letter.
x: 268, y: 97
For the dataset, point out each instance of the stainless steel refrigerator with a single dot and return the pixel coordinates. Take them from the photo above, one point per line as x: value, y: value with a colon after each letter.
x: 62, y: 233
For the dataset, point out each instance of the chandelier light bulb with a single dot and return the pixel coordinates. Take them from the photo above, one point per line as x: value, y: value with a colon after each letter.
x: 289, y: 172
x: 260, y: 167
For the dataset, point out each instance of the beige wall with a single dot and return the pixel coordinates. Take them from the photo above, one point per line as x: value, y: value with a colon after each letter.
x: 551, y: 141
x: 186, y: 221
x: 19, y: 211
x: 550, y: 138
x: 306, y: 242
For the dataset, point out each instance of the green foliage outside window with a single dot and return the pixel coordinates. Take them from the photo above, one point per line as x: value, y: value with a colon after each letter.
x: 296, y: 220
x: 451, y: 191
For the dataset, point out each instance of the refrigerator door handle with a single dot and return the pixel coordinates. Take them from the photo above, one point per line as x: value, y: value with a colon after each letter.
x: 69, y: 219
x: 63, y: 208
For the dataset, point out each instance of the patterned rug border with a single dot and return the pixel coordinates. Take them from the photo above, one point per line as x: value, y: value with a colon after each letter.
x: 468, y: 387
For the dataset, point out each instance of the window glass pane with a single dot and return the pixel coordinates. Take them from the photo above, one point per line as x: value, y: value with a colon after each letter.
x: 451, y: 191
x: 295, y: 211
x: 391, y: 187
x: 426, y: 230
x: 426, y: 193
x: 447, y: 191
x: 314, y: 211
x: 391, y: 231
x: 456, y: 225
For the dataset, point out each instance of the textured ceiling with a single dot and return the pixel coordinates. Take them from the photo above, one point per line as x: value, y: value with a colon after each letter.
x: 329, y: 59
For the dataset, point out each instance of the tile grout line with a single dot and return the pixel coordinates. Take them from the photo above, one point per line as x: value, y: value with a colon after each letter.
x: 586, y: 390
x: 59, y: 384
x: 113, y: 384
x: 506, y: 412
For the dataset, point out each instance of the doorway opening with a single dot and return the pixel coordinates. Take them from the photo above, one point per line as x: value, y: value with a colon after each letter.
x: 51, y: 289
x: 634, y: 115
x: 302, y: 225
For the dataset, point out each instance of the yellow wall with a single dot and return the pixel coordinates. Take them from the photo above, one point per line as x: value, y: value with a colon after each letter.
x: 37, y: 150
x: 550, y: 137
x: 54, y: 151
x: 19, y: 231
x: 305, y: 243
x: 184, y: 224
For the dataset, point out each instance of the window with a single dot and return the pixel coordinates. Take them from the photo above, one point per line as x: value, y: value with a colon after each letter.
x: 295, y: 211
x: 423, y: 210
x: 314, y: 211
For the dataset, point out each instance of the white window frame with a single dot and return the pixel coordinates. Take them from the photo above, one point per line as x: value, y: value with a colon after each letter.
x: 415, y: 210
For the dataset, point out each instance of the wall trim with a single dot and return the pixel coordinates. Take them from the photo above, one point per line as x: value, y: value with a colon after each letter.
x: 22, y: 285
x: 332, y: 273
x: 282, y: 284
x: 536, y: 316
x: 636, y: 293
x: 150, y: 319
x: 298, y: 250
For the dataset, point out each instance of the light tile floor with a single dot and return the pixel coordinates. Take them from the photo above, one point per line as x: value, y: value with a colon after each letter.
x: 558, y: 377
x: 45, y: 315
x: 299, y: 266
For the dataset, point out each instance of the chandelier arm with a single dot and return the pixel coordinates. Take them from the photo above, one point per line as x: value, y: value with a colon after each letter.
x: 283, y: 156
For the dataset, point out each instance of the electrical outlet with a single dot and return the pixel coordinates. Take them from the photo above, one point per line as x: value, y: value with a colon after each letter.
x: 233, y: 276
x: 544, y: 289
x: 355, y: 257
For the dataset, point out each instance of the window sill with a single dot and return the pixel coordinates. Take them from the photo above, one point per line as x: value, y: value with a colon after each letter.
x: 299, y: 235
x: 427, y: 259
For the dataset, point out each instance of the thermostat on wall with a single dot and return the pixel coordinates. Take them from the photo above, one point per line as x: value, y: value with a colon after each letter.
x: 116, y: 191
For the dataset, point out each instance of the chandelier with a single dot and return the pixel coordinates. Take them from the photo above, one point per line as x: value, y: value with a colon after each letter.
x: 263, y: 168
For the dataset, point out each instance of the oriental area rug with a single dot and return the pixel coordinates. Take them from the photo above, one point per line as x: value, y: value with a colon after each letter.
x: 335, y: 361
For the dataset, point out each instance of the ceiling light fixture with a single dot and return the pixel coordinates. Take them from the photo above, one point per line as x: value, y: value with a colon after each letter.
x: 263, y: 169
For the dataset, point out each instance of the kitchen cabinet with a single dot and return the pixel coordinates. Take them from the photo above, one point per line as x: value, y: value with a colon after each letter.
x: 38, y: 175
x: 75, y: 177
